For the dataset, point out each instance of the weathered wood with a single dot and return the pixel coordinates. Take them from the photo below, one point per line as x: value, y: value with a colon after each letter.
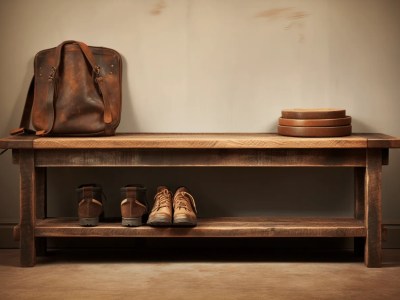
x: 373, y: 208
x: 217, y: 227
x: 200, y: 141
x: 41, y: 207
x: 240, y: 150
x: 17, y: 142
x: 359, y: 193
x: 359, y: 207
x: 202, y: 157
x: 27, y: 208
x: 379, y: 140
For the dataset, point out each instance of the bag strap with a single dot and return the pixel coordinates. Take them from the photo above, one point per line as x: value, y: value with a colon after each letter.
x: 26, y: 115
x: 53, y: 82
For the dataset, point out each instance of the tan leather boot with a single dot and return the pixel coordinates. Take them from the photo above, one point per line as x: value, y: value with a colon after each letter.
x: 161, y: 214
x: 184, y: 208
x: 90, y: 205
x: 133, y: 205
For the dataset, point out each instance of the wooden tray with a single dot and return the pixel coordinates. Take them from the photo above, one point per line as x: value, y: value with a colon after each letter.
x: 314, y: 131
x: 315, y: 122
x: 318, y: 113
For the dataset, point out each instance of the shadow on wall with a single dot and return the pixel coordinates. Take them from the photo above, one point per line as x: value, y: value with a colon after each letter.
x: 218, y: 191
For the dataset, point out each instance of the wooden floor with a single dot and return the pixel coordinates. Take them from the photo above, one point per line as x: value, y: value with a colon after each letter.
x: 162, y: 274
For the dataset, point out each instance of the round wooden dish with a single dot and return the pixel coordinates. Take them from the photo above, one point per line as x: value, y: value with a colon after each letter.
x: 315, y: 122
x: 314, y: 131
x: 318, y: 113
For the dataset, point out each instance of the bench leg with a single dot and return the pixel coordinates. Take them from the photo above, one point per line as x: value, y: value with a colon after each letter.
x: 359, y: 207
x: 27, y: 208
x: 41, y: 207
x: 373, y: 208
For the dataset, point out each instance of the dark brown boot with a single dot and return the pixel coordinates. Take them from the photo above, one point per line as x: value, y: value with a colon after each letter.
x: 90, y: 205
x: 133, y: 205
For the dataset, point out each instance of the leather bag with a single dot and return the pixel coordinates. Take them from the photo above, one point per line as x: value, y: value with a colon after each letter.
x: 75, y: 91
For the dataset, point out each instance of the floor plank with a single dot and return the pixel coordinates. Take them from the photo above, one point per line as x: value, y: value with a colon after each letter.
x: 155, y: 275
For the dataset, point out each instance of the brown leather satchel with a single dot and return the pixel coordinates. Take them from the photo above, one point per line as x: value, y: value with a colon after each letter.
x: 75, y: 91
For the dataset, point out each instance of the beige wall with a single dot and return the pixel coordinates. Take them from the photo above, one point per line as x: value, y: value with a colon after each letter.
x: 218, y: 66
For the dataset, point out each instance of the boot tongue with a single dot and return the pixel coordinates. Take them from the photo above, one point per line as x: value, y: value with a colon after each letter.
x: 161, y: 188
x: 185, y: 198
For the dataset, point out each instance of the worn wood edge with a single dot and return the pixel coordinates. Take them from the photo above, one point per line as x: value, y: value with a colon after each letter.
x: 243, y: 227
x: 200, y: 141
x: 27, y: 208
x: 353, y: 157
x: 17, y: 142
x: 373, y: 209
x: 380, y: 140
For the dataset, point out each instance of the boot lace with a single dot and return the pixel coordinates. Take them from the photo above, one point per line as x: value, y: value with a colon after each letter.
x: 182, y: 201
x: 162, y: 199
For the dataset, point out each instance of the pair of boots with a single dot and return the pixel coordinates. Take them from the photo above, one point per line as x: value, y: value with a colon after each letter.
x: 133, y: 204
x: 178, y: 210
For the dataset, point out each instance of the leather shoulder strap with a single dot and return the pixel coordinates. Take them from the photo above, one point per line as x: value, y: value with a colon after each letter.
x: 26, y: 115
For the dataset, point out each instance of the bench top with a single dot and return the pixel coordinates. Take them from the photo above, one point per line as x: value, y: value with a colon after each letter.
x: 200, y: 141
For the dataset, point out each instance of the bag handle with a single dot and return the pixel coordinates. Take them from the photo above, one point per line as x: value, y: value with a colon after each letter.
x: 85, y: 50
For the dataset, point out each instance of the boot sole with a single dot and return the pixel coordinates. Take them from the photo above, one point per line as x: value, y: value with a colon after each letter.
x: 160, y: 221
x: 132, y: 222
x: 184, y: 222
x: 88, y: 222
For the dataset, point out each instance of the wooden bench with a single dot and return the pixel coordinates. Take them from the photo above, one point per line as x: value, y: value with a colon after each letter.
x: 366, y: 153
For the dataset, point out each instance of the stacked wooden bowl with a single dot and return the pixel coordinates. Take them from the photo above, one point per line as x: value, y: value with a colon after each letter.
x: 325, y: 122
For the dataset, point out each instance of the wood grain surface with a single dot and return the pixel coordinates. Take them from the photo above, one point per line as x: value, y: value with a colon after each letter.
x: 373, y: 208
x: 217, y: 227
x: 27, y: 208
x: 189, y: 141
x: 315, y: 122
x: 351, y: 157
x: 314, y: 131
x: 316, y: 113
x: 200, y: 141
x: 365, y: 152
x: 17, y: 142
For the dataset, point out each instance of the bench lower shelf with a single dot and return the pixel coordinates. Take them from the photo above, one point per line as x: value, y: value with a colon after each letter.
x: 215, y: 227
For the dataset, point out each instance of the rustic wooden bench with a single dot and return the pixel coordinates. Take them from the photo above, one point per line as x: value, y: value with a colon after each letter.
x: 365, y: 153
